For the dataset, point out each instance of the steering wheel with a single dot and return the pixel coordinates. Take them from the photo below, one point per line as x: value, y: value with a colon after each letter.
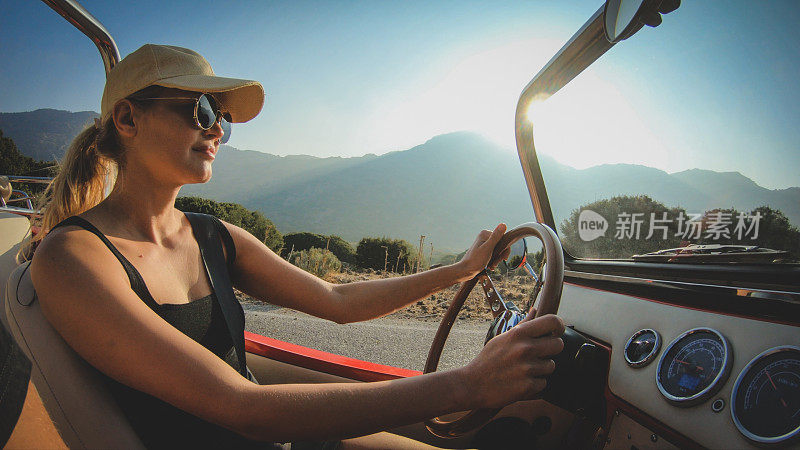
x: 506, y: 314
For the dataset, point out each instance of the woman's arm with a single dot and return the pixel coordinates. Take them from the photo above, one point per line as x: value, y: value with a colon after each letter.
x: 261, y: 273
x: 86, y: 296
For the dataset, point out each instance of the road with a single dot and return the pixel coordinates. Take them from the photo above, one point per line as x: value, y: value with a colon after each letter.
x: 391, y: 341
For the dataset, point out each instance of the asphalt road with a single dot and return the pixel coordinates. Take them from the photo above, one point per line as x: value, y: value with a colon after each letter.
x: 391, y: 341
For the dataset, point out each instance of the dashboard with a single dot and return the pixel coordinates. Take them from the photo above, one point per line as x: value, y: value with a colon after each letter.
x: 691, y: 376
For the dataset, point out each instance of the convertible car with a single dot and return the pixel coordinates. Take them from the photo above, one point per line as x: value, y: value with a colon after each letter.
x: 664, y: 232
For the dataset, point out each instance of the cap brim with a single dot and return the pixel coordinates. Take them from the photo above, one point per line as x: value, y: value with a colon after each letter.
x: 243, y: 99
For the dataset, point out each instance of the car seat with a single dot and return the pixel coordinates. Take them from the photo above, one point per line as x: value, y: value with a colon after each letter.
x: 71, y: 390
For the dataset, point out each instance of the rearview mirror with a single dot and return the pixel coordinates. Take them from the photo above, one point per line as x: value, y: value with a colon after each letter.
x: 623, y: 18
x: 619, y: 15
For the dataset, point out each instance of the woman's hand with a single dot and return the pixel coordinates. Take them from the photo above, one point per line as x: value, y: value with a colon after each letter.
x: 513, y: 365
x: 479, y: 253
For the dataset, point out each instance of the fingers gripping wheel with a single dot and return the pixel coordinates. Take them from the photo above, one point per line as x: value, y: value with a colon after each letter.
x: 549, y: 299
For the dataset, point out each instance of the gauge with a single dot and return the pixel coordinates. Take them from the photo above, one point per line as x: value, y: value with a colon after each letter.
x: 642, y: 348
x: 694, y: 367
x: 765, y: 403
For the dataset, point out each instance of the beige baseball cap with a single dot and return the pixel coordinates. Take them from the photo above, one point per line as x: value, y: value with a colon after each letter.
x: 181, y: 68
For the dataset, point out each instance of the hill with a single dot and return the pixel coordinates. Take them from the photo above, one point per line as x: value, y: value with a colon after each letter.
x: 448, y: 188
x: 45, y: 134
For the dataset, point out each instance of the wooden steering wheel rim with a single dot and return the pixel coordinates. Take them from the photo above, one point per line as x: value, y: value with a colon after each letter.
x: 549, y: 300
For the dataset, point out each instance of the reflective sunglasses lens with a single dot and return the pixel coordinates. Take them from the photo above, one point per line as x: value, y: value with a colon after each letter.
x: 206, y: 112
x: 226, y: 130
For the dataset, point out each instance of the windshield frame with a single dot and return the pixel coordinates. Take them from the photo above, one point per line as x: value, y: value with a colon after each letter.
x: 586, y: 46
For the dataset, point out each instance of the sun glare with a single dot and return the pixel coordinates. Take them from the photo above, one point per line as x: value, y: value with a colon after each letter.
x: 479, y: 94
x: 531, y: 111
x: 590, y: 122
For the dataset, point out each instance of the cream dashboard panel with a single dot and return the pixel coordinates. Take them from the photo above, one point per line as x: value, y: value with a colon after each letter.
x: 613, y: 318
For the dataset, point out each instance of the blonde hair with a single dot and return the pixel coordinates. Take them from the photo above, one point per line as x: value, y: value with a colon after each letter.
x: 85, y: 176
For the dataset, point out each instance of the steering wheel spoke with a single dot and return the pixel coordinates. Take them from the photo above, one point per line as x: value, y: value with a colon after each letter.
x: 497, y: 305
x: 538, y: 277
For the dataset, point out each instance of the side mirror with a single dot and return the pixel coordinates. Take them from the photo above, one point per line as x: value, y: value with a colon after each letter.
x: 517, y: 255
x: 623, y: 18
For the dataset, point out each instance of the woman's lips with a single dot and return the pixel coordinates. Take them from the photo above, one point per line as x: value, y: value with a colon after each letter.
x: 210, y: 151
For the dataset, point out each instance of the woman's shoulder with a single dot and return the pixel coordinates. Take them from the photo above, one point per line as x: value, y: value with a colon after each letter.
x: 68, y: 248
x: 64, y: 239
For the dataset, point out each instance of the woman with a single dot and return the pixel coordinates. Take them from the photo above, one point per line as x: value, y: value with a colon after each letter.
x: 130, y: 268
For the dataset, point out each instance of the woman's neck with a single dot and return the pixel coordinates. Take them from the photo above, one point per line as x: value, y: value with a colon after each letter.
x: 141, y: 209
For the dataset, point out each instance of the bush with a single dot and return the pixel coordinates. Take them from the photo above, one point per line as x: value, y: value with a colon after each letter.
x: 609, y: 246
x: 775, y: 230
x: 371, y: 253
x: 316, y: 261
x: 12, y: 162
x: 252, y: 221
x: 305, y: 240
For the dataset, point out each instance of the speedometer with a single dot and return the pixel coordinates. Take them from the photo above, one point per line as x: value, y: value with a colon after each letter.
x: 765, y: 403
x: 694, y: 367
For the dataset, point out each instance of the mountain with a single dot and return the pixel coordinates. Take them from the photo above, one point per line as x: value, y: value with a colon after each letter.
x: 239, y: 172
x: 737, y: 190
x: 448, y: 188
x: 45, y: 134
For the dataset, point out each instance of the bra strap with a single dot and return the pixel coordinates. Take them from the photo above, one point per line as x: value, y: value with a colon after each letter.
x: 137, y: 282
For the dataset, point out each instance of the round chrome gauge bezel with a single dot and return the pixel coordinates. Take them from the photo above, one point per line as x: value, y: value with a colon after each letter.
x: 716, y: 383
x: 746, y: 433
x: 650, y: 356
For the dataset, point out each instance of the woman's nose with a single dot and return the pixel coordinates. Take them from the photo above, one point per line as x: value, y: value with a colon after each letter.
x: 215, y: 131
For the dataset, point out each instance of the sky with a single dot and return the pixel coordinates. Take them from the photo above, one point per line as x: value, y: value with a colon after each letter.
x: 351, y: 78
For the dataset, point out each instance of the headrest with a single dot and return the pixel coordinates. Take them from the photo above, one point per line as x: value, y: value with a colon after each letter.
x: 5, y: 188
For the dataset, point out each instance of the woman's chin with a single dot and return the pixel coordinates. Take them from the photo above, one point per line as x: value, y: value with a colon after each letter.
x: 205, y: 171
x: 204, y: 179
x: 199, y: 176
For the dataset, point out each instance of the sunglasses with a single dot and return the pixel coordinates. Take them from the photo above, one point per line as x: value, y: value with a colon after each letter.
x: 206, y: 113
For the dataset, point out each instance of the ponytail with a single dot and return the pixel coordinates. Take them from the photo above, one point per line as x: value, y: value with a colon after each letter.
x: 85, y: 177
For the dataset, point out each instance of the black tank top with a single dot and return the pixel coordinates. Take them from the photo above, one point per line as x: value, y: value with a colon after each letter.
x: 159, y: 424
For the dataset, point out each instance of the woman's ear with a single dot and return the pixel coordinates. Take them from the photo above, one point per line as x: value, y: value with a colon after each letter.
x: 124, y: 120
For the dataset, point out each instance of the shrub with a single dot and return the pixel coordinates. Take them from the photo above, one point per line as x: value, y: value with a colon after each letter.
x: 252, y: 221
x: 775, y: 230
x: 396, y: 254
x: 12, y: 162
x: 305, y: 240
x: 609, y: 246
x: 316, y: 261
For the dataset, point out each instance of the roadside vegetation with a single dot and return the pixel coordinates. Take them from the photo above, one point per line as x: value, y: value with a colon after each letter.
x: 317, y: 261
x: 252, y: 221
x: 727, y: 226
x: 297, y: 242
x: 12, y: 162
